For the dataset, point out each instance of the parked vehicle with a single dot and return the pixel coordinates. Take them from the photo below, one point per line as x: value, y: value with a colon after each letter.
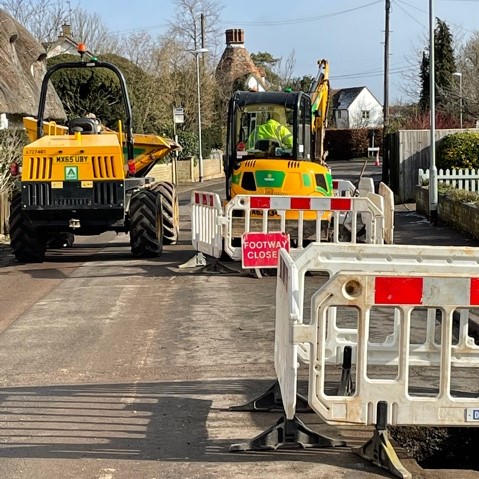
x: 84, y: 179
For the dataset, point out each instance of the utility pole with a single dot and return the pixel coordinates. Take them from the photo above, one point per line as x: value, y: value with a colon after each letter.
x: 385, y: 165
x: 386, y: 65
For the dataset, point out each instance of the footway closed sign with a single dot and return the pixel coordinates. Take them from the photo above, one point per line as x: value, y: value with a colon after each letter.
x: 261, y: 250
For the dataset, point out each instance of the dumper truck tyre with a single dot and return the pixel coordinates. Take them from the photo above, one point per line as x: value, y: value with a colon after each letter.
x: 28, y: 243
x: 146, y: 226
x: 171, y: 211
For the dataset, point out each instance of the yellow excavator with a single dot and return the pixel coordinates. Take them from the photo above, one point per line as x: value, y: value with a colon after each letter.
x: 82, y: 179
x: 274, y: 166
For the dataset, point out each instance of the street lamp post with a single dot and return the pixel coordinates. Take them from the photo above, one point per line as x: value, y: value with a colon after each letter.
x: 197, y: 53
x: 459, y: 74
x: 433, y: 194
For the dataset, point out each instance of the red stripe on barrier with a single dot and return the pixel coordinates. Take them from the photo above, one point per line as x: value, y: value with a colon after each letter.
x: 340, y: 204
x: 197, y: 199
x: 335, y: 184
x: 398, y: 290
x: 300, y: 203
x: 205, y: 199
x: 211, y: 200
x: 474, y: 292
x: 258, y: 202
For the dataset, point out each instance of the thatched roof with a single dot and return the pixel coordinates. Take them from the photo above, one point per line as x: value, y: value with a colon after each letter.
x: 23, y: 61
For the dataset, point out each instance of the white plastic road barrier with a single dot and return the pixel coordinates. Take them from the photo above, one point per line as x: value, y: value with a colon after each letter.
x: 386, y: 193
x: 207, y: 221
x: 264, y: 214
x: 347, y: 188
x: 287, y: 315
x: 394, y: 259
x: 362, y: 289
x: 341, y: 218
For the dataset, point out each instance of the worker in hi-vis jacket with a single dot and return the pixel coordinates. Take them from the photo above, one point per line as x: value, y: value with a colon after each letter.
x: 272, y: 131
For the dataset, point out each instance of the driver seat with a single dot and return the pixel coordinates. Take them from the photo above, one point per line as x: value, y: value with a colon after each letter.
x: 87, y: 126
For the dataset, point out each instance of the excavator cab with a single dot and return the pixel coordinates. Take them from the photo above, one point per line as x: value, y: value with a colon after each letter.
x: 270, y: 146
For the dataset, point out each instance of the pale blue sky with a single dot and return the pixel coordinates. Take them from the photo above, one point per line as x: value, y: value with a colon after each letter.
x: 348, y: 33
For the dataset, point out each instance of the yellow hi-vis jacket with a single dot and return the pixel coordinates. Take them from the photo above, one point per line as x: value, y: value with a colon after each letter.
x: 271, y: 130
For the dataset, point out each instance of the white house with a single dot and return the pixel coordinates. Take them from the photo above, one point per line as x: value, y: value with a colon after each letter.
x: 356, y: 108
x: 64, y: 44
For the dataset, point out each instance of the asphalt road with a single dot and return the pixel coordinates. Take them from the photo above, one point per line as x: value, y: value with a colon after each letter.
x: 119, y: 368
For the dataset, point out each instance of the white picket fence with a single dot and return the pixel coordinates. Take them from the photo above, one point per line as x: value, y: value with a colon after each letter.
x: 462, y: 179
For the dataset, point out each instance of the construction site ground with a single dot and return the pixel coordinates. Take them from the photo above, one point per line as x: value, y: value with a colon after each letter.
x: 119, y: 368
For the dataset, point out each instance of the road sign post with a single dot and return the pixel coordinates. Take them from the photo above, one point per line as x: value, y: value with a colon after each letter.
x: 178, y: 118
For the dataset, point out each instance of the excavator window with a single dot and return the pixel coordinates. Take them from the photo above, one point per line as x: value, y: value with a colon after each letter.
x: 256, y: 139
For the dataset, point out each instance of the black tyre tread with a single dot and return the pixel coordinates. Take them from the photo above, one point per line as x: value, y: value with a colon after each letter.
x: 27, y: 243
x: 145, y: 212
x: 171, y: 227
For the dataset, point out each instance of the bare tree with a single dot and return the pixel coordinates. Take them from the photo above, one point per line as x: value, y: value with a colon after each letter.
x: 42, y: 18
x: 186, y: 24
x: 468, y: 66
x: 284, y: 69
x: 140, y: 48
x: 90, y: 29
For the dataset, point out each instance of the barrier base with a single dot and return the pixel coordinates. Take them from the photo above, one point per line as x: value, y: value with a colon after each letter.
x: 379, y: 449
x: 346, y: 384
x: 271, y: 401
x: 214, y: 265
x: 287, y: 433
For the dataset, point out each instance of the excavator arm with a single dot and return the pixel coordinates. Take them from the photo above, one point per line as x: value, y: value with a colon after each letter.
x: 319, y: 93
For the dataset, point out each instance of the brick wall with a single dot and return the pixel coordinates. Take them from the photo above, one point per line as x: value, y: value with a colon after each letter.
x: 188, y: 170
x: 461, y: 216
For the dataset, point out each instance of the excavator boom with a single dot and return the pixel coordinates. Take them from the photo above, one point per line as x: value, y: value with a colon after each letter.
x: 319, y: 93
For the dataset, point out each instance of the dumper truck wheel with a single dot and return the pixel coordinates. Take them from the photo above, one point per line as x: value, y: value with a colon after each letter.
x: 146, y: 227
x: 28, y: 243
x: 171, y: 211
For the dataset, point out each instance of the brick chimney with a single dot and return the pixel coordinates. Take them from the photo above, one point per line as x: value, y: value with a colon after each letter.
x: 235, y: 37
x: 66, y: 30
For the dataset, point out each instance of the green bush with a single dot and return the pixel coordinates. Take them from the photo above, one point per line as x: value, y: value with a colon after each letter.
x: 344, y: 144
x: 189, y: 143
x: 459, y: 150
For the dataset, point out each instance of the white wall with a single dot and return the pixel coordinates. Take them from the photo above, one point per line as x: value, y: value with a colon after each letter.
x: 365, y: 101
x: 342, y: 122
x: 61, y: 49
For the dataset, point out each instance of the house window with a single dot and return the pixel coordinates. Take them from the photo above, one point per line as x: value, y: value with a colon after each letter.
x: 339, y: 114
x: 365, y: 114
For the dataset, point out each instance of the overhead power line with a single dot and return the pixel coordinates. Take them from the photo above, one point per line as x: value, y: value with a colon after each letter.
x: 412, y: 17
x: 300, y: 20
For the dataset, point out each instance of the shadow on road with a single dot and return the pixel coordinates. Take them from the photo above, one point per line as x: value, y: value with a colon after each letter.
x: 169, y: 421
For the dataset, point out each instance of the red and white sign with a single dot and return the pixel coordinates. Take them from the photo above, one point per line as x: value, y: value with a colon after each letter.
x: 261, y: 250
